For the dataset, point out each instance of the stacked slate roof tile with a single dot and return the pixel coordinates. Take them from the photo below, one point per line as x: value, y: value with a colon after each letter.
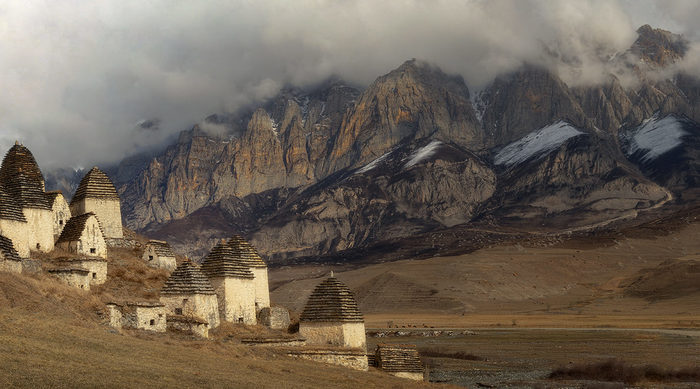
x: 223, y: 262
x: 95, y: 185
x: 7, y: 249
x: 161, y: 248
x: 74, y: 228
x: 52, y: 195
x: 9, y: 208
x: 331, y: 301
x: 187, y: 279
x: 398, y: 358
x: 22, y: 179
x: 245, y: 252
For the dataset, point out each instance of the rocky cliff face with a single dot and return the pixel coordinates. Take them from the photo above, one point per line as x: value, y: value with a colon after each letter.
x: 322, y: 171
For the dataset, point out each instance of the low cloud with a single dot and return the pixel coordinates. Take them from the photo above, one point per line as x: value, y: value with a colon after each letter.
x: 79, y: 77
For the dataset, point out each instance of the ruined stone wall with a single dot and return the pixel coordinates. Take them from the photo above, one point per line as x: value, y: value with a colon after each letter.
x: 76, y: 280
x: 18, y: 233
x: 152, y: 259
x: 39, y: 228
x: 262, y: 288
x: 10, y: 266
x: 107, y: 211
x: 115, y: 316
x: 236, y: 299
x: 346, y: 358
x: 61, y: 215
x: 203, y: 306
x: 187, y: 326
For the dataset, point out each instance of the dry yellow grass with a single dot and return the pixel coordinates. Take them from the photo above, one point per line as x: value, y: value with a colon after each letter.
x: 51, y: 336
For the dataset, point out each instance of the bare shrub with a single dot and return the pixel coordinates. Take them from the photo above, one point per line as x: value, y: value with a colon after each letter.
x: 614, y: 370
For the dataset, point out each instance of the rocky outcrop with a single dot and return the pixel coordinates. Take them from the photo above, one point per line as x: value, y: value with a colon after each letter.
x: 322, y: 171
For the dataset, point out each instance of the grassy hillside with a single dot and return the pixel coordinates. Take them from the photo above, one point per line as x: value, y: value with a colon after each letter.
x: 52, y: 335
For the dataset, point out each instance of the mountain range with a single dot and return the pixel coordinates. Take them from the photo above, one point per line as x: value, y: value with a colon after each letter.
x: 327, y: 170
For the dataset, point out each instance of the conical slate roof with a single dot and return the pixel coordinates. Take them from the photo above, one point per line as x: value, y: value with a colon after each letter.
x: 95, y: 185
x: 22, y: 179
x: 244, y: 251
x: 9, y: 208
x: 7, y: 249
x: 74, y: 228
x: 331, y: 301
x: 398, y: 358
x: 221, y: 262
x: 187, y: 279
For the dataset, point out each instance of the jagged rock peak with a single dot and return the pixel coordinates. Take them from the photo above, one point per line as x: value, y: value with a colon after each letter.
x: 660, y: 47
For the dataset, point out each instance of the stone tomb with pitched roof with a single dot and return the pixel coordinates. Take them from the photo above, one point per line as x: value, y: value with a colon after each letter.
x: 233, y: 282
x: 331, y: 317
x: 188, y: 292
x: 83, y: 236
x: 401, y: 360
x: 26, y: 216
x: 158, y: 254
x: 9, y: 259
x: 245, y: 252
x: 96, y: 194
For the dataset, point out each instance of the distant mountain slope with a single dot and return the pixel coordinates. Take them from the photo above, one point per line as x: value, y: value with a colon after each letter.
x: 334, y: 168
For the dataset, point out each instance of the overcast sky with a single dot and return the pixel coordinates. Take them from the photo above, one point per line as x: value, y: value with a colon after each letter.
x: 77, y: 76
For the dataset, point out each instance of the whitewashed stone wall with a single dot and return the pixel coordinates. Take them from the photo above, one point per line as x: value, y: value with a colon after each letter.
x: 276, y: 318
x: 61, y: 215
x: 40, y: 229
x: 262, y: 288
x: 148, y: 318
x: 236, y: 299
x: 18, y: 233
x: 203, y: 306
x: 107, y: 211
x: 336, y: 334
x: 97, y: 269
x: 91, y: 241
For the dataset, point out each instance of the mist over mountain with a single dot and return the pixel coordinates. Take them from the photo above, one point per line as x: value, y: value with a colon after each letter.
x: 94, y: 74
x: 333, y: 168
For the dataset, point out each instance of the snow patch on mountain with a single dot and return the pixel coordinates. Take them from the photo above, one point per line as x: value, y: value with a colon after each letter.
x: 422, y: 153
x: 536, y: 143
x: 655, y: 137
x: 373, y: 164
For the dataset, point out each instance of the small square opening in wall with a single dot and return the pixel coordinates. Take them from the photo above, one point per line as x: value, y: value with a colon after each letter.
x: 240, y: 320
x: 60, y: 222
x: 94, y: 275
x: 153, y: 322
x: 93, y: 250
x: 178, y: 311
x: 150, y: 257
